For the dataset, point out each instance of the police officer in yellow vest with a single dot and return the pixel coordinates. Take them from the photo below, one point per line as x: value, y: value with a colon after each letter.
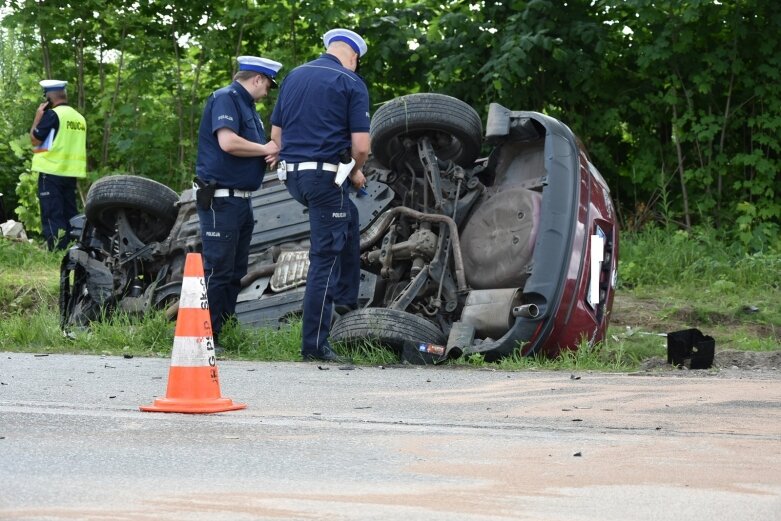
x: 59, y: 138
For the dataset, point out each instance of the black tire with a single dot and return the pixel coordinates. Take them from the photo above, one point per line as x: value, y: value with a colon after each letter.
x: 150, y: 206
x: 386, y: 326
x: 453, y: 126
x: 167, y: 294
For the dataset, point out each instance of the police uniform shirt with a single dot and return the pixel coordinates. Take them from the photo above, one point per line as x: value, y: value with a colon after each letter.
x: 49, y: 121
x: 231, y: 107
x: 320, y: 104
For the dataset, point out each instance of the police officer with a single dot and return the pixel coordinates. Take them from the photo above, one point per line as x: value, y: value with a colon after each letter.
x: 59, y: 138
x: 232, y: 158
x: 323, y: 111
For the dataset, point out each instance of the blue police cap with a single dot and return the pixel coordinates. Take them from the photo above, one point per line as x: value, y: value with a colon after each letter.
x: 52, y: 85
x: 351, y: 38
x: 262, y: 65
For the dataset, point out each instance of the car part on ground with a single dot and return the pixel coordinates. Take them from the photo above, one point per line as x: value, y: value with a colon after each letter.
x: 459, y: 255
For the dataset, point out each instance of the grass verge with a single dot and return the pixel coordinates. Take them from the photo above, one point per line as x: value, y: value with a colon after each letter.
x: 668, y: 281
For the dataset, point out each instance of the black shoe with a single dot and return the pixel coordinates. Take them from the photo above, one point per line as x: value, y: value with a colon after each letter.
x: 326, y: 355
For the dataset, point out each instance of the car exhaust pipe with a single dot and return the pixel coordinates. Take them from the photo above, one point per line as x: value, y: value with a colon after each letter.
x: 526, y: 311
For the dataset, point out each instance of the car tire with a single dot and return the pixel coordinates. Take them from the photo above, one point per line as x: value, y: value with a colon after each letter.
x: 453, y: 126
x: 167, y: 294
x: 389, y: 327
x: 150, y: 206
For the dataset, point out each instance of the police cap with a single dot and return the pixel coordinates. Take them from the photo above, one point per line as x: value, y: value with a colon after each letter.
x: 52, y: 85
x: 351, y: 38
x: 262, y: 65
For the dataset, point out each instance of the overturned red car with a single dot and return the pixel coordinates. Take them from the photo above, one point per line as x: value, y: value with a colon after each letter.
x: 462, y: 253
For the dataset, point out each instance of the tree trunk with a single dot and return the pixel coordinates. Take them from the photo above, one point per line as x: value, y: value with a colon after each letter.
x: 102, y: 69
x: 179, y: 109
x: 293, y: 16
x: 110, y: 112
x: 238, y: 47
x: 720, y: 175
x: 194, y: 105
x: 681, y: 172
x: 42, y: 31
x: 81, y: 98
x: 47, y: 66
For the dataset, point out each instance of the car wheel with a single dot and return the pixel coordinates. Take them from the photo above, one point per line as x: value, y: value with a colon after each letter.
x: 149, y: 206
x: 167, y: 294
x: 389, y: 327
x: 454, y: 128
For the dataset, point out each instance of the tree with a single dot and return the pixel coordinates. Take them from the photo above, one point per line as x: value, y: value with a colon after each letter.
x: 676, y: 101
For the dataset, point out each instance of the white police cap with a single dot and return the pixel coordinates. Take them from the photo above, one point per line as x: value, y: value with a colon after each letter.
x: 262, y: 65
x: 351, y: 38
x: 51, y: 85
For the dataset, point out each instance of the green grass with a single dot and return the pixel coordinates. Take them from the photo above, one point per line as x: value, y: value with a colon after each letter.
x: 680, y: 260
x: 40, y: 333
x: 587, y: 357
x: 262, y: 344
x: 22, y: 255
x: 667, y: 281
x: 29, y: 277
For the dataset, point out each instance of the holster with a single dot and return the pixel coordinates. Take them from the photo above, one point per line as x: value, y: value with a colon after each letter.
x: 204, y: 193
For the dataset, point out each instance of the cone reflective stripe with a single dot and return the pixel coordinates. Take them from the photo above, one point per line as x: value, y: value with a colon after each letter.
x: 193, y: 294
x: 193, y: 378
x: 189, y: 352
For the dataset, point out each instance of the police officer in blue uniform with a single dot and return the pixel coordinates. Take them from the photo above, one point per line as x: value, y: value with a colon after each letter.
x: 232, y: 158
x: 321, y: 112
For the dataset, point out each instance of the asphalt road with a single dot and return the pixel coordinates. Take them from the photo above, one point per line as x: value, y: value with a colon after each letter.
x: 387, y: 443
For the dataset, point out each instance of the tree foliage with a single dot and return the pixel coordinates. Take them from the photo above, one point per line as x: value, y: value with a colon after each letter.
x: 676, y: 100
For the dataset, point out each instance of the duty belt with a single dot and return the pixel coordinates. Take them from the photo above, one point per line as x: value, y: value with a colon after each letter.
x: 232, y: 192
x: 312, y: 165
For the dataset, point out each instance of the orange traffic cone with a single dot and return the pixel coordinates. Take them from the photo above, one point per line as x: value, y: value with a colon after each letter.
x: 193, y: 379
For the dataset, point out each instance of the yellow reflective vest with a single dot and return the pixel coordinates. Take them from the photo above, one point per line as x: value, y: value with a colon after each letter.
x: 64, y: 152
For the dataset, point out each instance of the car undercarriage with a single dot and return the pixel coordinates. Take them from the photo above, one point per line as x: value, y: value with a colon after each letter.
x: 460, y: 254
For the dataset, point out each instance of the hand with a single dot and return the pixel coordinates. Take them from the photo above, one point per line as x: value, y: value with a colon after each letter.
x: 39, y: 113
x: 272, y: 152
x: 358, y: 179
